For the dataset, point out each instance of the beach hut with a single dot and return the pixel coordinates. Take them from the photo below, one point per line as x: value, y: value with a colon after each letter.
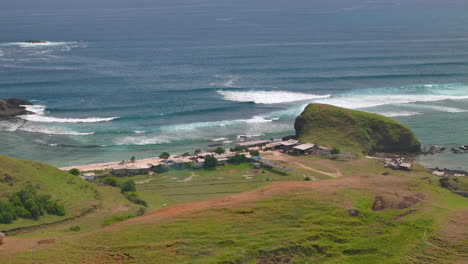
x: 303, y: 149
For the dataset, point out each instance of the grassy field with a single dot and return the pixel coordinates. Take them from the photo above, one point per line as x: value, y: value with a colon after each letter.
x: 76, y: 195
x: 277, y: 218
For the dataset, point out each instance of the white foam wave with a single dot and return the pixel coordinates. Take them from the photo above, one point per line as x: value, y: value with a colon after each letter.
x: 39, y: 111
x: 268, y: 97
x: 40, y: 44
x: 140, y: 141
x: 12, y: 126
x: 219, y: 139
x: 401, y: 113
x: 371, y: 100
x: 48, y: 119
x: 438, y: 108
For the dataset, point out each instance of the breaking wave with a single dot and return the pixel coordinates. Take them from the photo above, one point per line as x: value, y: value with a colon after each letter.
x: 12, y: 126
x: 268, y: 97
x: 39, y: 116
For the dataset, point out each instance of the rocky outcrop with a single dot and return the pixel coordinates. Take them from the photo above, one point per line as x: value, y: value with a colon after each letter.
x: 13, y: 107
x: 352, y: 130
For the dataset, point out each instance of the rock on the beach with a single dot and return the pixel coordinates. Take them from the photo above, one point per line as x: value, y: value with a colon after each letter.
x: 13, y: 107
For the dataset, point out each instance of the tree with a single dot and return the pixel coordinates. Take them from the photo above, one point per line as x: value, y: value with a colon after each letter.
x: 164, y: 155
x: 128, y: 186
x: 210, y: 162
x: 132, y: 159
x: 75, y: 171
x: 239, y: 149
x: 237, y: 159
x: 197, y: 151
x: 186, y: 154
x: 335, y: 151
x: 219, y: 150
x: 255, y: 153
x: 112, y: 181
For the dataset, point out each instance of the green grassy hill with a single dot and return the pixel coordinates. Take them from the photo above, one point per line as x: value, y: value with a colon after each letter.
x: 353, y: 130
x: 75, y: 194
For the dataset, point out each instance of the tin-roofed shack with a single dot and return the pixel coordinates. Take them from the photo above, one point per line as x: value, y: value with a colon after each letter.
x: 303, y: 149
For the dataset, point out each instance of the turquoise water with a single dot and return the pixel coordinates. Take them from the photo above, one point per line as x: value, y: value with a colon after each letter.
x: 135, y: 81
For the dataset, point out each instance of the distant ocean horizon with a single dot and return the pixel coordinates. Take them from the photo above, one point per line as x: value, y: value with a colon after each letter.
x: 109, y: 84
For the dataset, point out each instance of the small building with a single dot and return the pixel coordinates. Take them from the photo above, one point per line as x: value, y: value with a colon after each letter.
x: 304, y: 149
x: 90, y: 176
x: 438, y: 173
x: 273, y: 146
x: 405, y: 166
x: 222, y: 161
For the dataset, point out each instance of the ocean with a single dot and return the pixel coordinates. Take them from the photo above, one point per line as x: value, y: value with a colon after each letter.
x: 113, y: 82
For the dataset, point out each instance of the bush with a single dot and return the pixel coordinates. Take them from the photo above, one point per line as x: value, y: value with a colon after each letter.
x: 160, y: 168
x: 164, y: 155
x: 219, y: 150
x: 197, y: 151
x: 335, y: 151
x: 237, y: 159
x: 75, y: 171
x: 76, y: 228
x: 128, y: 186
x: 133, y: 197
x: 141, y: 211
x: 239, y: 149
x: 255, y: 153
x: 116, y: 219
x: 132, y: 159
x: 8, y: 212
x: 306, y: 178
x: 186, y: 154
x: 210, y: 162
x: 112, y: 181
x: 27, y: 204
x: 54, y: 208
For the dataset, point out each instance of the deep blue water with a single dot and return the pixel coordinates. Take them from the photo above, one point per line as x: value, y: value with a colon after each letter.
x: 119, y: 80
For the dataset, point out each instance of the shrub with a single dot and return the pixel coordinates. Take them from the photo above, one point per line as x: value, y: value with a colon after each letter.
x: 237, y: 159
x: 132, y: 159
x: 112, y: 181
x: 141, y: 211
x: 133, y: 197
x: 164, y: 155
x: 27, y: 204
x: 210, y: 162
x: 128, y: 186
x: 239, y: 149
x: 54, y: 208
x: 335, y: 151
x: 197, y: 151
x: 254, y: 153
x: 219, y: 150
x: 75, y: 171
x: 160, y: 168
x: 116, y: 219
x: 306, y: 178
x: 186, y: 154
x: 76, y: 228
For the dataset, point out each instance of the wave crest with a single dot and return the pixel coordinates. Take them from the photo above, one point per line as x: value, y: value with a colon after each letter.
x: 268, y: 97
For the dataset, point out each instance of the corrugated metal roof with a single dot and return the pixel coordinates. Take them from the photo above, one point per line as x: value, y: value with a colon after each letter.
x: 304, y: 146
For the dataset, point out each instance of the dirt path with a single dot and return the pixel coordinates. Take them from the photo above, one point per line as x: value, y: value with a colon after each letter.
x: 334, y: 175
x: 189, y: 178
x: 278, y: 156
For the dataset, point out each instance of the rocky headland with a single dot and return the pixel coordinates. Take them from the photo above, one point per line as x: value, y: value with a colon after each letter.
x: 13, y: 107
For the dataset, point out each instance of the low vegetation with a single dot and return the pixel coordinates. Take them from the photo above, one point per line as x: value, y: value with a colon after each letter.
x: 352, y: 130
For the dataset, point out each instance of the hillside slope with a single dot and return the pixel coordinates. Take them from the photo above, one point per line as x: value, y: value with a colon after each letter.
x: 353, y: 130
x: 75, y: 194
